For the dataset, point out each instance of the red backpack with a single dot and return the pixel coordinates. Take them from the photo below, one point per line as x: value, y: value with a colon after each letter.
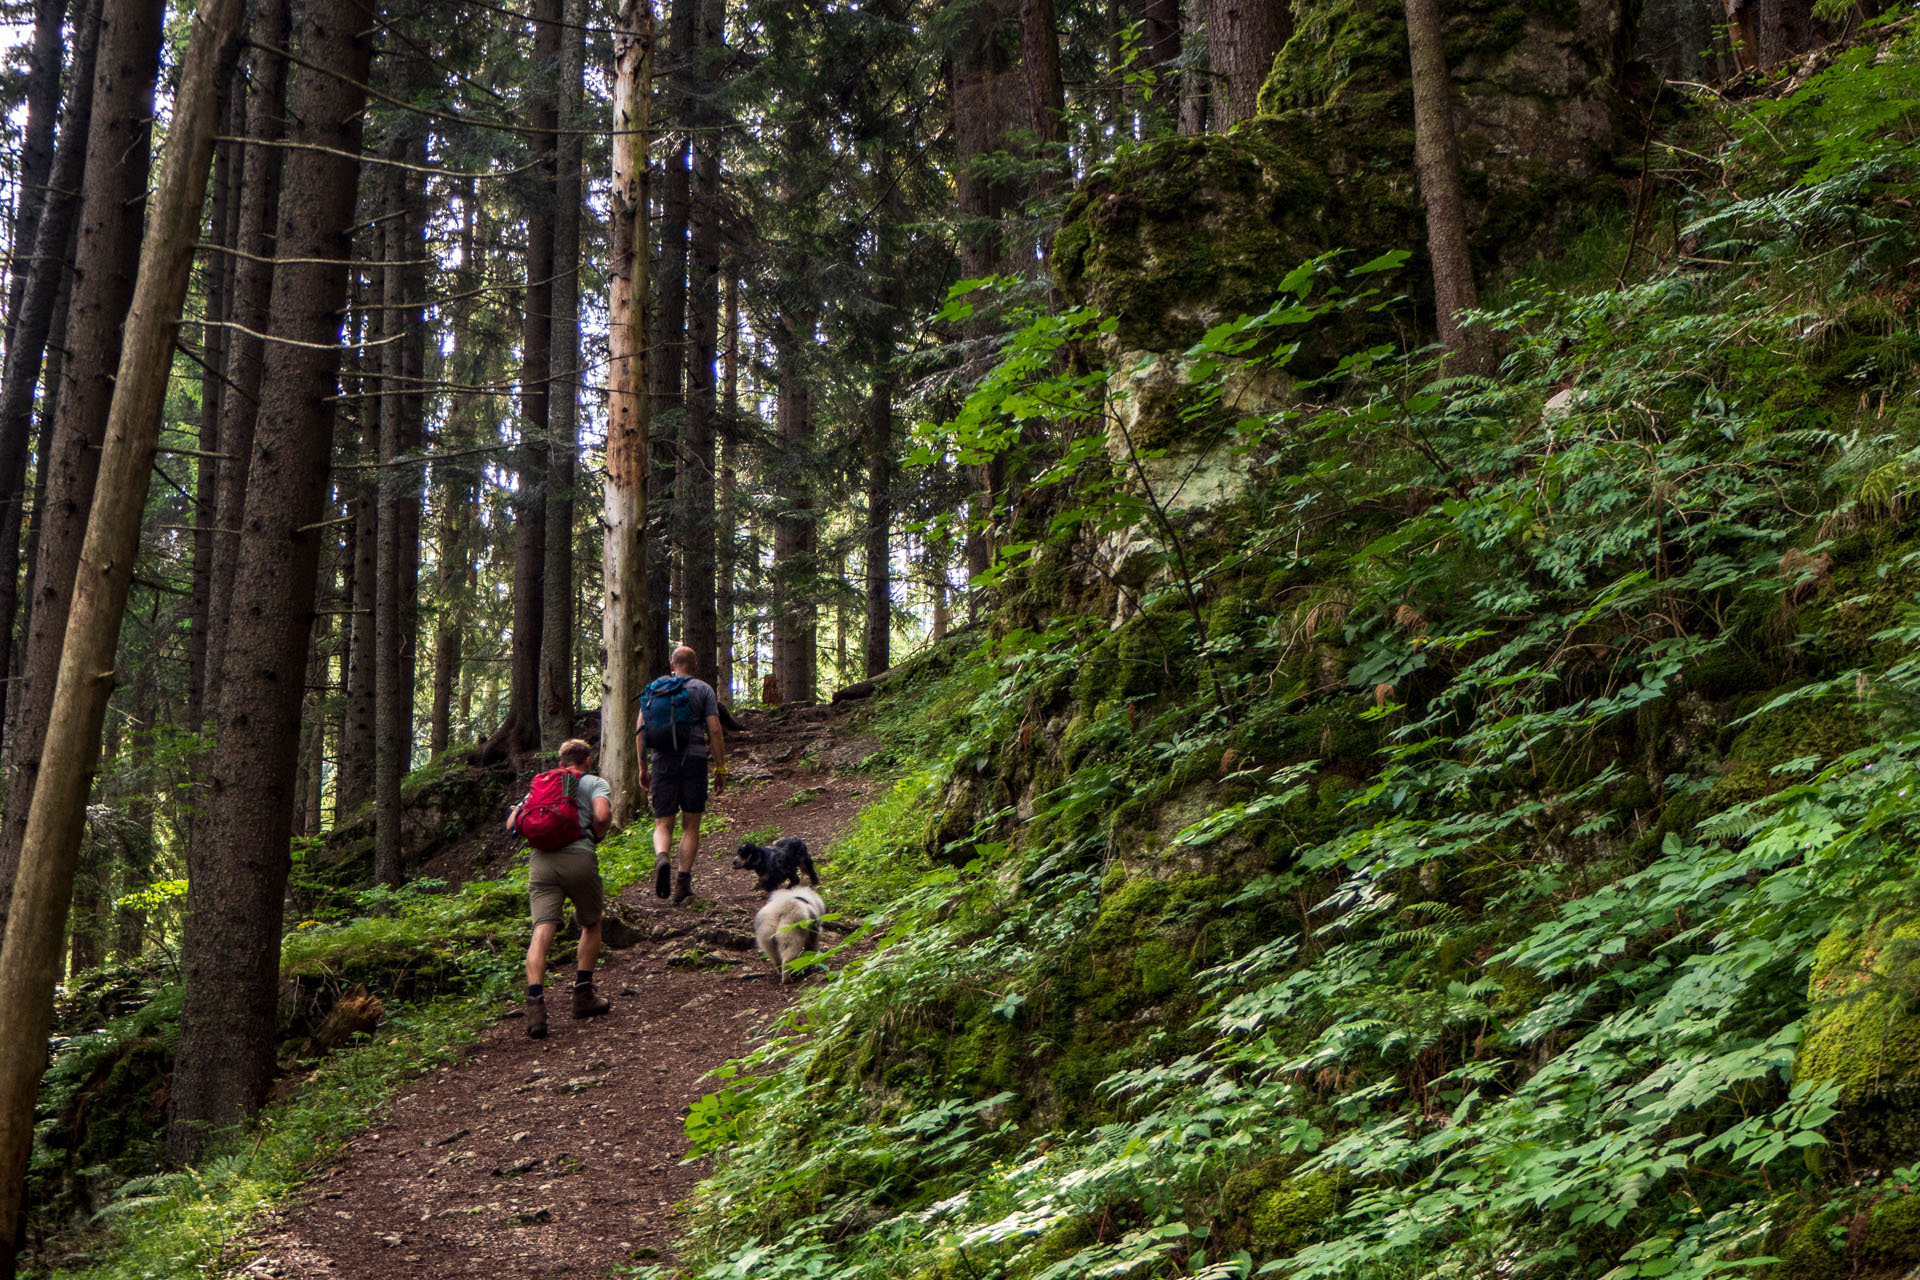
x: 550, y: 818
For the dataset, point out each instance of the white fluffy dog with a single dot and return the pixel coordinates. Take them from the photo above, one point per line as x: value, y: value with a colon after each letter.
x: 789, y: 926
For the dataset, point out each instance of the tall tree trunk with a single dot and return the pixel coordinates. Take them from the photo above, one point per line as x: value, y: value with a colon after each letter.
x: 753, y: 686
x: 695, y: 497
x: 30, y: 956
x: 624, y: 612
x: 108, y: 245
x: 794, y: 609
x: 217, y: 310
x: 669, y: 356
x: 879, y: 620
x: 230, y: 957
x: 29, y: 327
x: 398, y: 522
x: 1160, y: 40
x: 354, y: 779
x: 252, y: 289
x: 536, y: 368
x: 563, y: 405
x: 1242, y: 38
x: 729, y: 492
x: 1195, y: 81
x: 36, y: 147
x: 456, y: 558
x: 136, y: 868
x: 1046, y: 91
x: 1436, y: 161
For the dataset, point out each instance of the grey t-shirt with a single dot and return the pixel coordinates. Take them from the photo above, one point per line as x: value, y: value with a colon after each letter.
x: 705, y: 703
x: 590, y: 787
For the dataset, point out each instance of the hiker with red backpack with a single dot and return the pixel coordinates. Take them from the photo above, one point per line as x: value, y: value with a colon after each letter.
x: 567, y: 810
x: 679, y: 731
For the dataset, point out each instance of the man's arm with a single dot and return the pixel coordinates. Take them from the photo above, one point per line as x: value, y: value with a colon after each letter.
x: 717, y: 744
x: 602, y: 817
x: 513, y: 816
x: 640, y: 747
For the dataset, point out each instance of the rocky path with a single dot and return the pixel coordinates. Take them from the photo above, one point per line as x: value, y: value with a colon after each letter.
x: 563, y: 1157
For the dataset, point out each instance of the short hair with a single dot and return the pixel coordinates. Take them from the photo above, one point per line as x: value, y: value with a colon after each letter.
x: 576, y: 751
x: 685, y: 657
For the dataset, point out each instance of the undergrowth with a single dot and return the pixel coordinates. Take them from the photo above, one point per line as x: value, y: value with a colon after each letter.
x: 1475, y: 849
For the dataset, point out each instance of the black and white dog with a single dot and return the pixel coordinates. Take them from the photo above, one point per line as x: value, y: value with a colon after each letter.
x: 778, y: 865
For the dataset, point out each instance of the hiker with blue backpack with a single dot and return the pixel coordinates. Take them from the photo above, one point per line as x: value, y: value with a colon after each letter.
x: 680, y: 734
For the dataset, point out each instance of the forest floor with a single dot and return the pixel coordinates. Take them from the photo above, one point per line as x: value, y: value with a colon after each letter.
x: 564, y: 1156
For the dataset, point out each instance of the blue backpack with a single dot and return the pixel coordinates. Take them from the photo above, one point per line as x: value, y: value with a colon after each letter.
x: 666, y: 709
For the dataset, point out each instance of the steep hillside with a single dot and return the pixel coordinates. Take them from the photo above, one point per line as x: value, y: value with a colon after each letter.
x: 1404, y: 824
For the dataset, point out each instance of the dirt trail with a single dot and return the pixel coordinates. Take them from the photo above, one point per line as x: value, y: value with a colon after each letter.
x: 561, y: 1157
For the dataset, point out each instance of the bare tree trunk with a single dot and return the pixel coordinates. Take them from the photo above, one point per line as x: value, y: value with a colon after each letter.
x: 536, y: 368
x: 669, y: 359
x: 36, y: 146
x: 354, y: 784
x: 252, y: 288
x: 115, y: 183
x: 136, y: 867
x: 937, y: 558
x: 879, y: 530
x: 1160, y: 38
x: 30, y: 957
x: 1436, y: 160
x: 628, y: 408
x: 217, y: 309
x: 1195, y: 81
x: 1242, y: 38
x: 695, y: 496
x: 398, y: 521
x: 753, y: 618
x: 1046, y: 91
x: 729, y: 491
x: 230, y: 957
x: 557, y: 705
x: 29, y: 327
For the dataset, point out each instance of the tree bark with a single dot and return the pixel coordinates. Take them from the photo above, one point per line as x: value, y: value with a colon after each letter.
x: 536, y: 368
x: 398, y: 522
x: 30, y: 956
x: 252, y: 288
x: 700, y: 621
x: 108, y: 251
x: 354, y: 778
x: 1242, y: 38
x: 669, y: 352
x: 217, y: 309
x: 1195, y: 88
x: 879, y: 443
x: 1160, y: 41
x: 230, y: 957
x: 36, y: 146
x: 30, y: 325
x: 623, y: 612
x: 1046, y: 91
x: 563, y: 405
x: 729, y: 492
x: 1436, y: 162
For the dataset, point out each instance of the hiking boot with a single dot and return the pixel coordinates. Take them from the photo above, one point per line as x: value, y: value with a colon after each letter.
x: 537, y: 1018
x: 662, y: 875
x: 588, y: 1003
x: 682, y: 887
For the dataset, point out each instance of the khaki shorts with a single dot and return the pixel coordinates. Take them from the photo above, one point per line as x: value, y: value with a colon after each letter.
x: 570, y: 874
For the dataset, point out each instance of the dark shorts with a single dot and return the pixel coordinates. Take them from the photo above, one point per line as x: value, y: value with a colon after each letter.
x: 679, y: 785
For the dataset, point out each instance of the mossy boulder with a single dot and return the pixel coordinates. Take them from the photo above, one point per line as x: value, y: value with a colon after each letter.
x: 1813, y: 732
x: 1864, y: 1030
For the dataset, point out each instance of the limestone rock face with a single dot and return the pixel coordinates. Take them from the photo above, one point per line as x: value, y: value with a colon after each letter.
x: 1189, y: 231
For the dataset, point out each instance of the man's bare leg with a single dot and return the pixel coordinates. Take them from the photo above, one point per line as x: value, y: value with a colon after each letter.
x: 589, y: 948
x: 689, y: 840
x: 537, y: 951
